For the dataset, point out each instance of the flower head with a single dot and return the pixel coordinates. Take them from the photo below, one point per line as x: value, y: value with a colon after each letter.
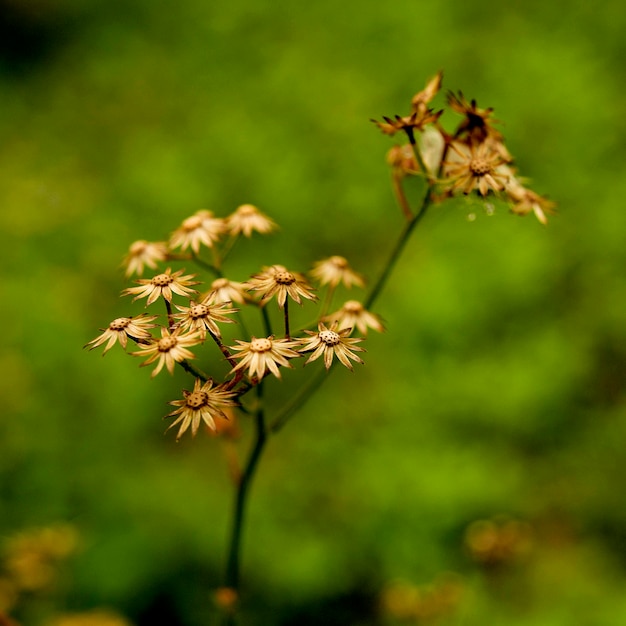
x: 123, y: 327
x: 329, y: 342
x: 224, y: 290
x: 477, y: 124
x: 143, y: 253
x: 170, y: 349
x: 206, y: 402
x: 527, y: 201
x: 409, y: 123
x: 335, y: 270
x: 162, y: 285
x: 280, y: 282
x: 248, y: 218
x: 202, y: 317
x: 422, y: 98
x: 202, y: 228
x: 262, y: 354
x: 354, y: 315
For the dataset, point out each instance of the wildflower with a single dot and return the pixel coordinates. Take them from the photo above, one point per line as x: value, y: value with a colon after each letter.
x: 331, y: 342
x: 408, y: 124
x: 170, y: 349
x: 474, y: 167
x: 122, y: 328
x: 353, y: 314
x: 224, y: 290
x: 163, y: 285
x: 422, y: 98
x: 278, y: 281
x: 527, y: 201
x: 143, y: 253
x: 200, y: 228
x: 248, y: 218
x: 202, y: 317
x: 203, y: 404
x: 262, y: 354
x: 477, y: 124
x: 335, y: 270
x: 402, y: 160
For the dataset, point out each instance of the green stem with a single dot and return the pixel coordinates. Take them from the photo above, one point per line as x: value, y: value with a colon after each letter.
x: 286, y: 315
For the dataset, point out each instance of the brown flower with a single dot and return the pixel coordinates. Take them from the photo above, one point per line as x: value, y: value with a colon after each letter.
x: 170, y: 349
x: 202, y: 228
x: 143, y: 253
x: 202, y: 317
x: 248, y: 218
x: 206, y: 402
x: 354, y: 315
x: 422, y: 98
x: 402, y: 160
x: 527, y: 201
x: 335, y: 270
x: 162, y: 285
x: 408, y: 124
x: 122, y: 328
x: 278, y: 281
x: 329, y: 342
x: 477, y: 124
x: 224, y: 290
x: 262, y: 354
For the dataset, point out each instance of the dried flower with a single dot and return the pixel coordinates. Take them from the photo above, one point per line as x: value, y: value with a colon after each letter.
x: 224, y: 290
x: 162, y: 285
x: 402, y: 160
x: 121, y: 328
x: 202, y: 317
x: 353, y: 314
x: 409, y: 123
x: 278, y: 281
x: 202, y: 228
x: 527, y: 201
x: 262, y: 354
x: 331, y: 342
x: 472, y: 167
x: 203, y: 404
x: 143, y: 253
x: 477, y: 124
x: 248, y: 218
x: 170, y: 349
x: 422, y: 98
x: 335, y: 270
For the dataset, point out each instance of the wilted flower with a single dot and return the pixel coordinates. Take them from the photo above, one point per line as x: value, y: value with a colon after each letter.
x: 278, y: 281
x: 170, y: 349
x: 422, y: 98
x: 203, y: 404
x: 162, y: 285
x: 328, y: 342
x: 402, y: 160
x: 248, y: 218
x: 477, y: 124
x: 202, y: 228
x: 202, y: 317
x: 122, y: 328
x: 527, y: 201
x: 409, y: 123
x: 353, y: 314
x: 262, y: 354
x: 335, y: 270
x: 143, y: 253
x: 224, y: 290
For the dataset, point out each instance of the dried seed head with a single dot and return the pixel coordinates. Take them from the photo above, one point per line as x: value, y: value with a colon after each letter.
x: 329, y: 337
x: 260, y: 345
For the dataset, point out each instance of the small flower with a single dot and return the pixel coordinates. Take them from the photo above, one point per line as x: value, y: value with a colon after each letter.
x: 527, y: 201
x: 203, y: 404
x: 170, y: 349
x: 263, y: 354
x: 248, y: 218
x: 202, y: 317
x: 353, y: 314
x: 200, y: 228
x: 331, y: 342
x: 422, y: 98
x: 402, y: 160
x: 224, y: 290
x: 477, y: 123
x: 474, y: 167
x: 122, y: 328
x: 143, y: 253
x: 335, y: 270
x: 163, y: 285
x: 409, y: 123
x: 278, y: 281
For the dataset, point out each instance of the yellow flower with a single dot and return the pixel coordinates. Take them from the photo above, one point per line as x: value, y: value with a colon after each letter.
x: 202, y: 317
x: 329, y: 342
x: 162, y: 285
x: 278, y: 281
x: 353, y: 314
x: 203, y: 404
x: 172, y: 348
x: 248, y: 218
x: 263, y: 354
x: 200, y: 228
x: 335, y: 270
x: 143, y: 253
x: 122, y: 328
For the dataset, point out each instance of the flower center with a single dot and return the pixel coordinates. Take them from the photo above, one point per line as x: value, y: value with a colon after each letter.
x: 339, y: 262
x: 138, y: 247
x: 199, y: 310
x: 261, y: 345
x: 247, y: 210
x: 285, y: 278
x: 166, y: 344
x: 120, y: 323
x: 162, y: 280
x: 352, y: 306
x: 220, y: 283
x: 479, y: 167
x: 197, y: 399
x: 329, y: 337
x: 193, y: 222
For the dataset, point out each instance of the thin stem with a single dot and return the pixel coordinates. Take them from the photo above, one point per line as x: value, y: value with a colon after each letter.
x: 330, y: 292
x: 170, y: 317
x: 266, y: 320
x: 194, y: 371
x: 396, y: 182
x: 286, y: 315
x: 207, y: 266
x: 223, y: 349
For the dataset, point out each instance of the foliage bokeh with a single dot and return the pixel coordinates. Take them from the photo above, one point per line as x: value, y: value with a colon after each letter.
x: 497, y: 390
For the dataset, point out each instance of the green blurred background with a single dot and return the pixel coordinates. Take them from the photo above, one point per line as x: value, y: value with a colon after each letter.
x: 496, y: 391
